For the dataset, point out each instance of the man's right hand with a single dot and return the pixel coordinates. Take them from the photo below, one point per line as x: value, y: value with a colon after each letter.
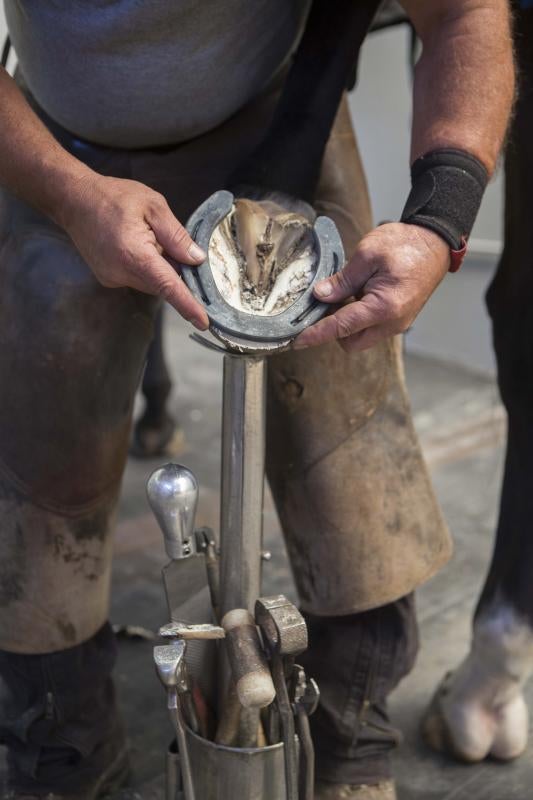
x: 124, y: 230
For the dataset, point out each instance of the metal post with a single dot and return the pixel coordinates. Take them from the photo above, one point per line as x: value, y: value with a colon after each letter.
x: 243, y: 464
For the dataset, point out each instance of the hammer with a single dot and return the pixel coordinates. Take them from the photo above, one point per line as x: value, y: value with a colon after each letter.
x: 284, y: 634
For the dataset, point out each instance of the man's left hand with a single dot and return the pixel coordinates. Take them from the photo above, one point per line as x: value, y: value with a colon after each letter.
x: 391, y: 275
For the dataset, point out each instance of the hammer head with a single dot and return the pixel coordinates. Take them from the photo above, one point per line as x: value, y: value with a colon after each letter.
x: 282, y: 626
x: 169, y: 662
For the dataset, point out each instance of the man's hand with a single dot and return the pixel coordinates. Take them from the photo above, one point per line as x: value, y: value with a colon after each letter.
x: 391, y: 275
x: 123, y: 230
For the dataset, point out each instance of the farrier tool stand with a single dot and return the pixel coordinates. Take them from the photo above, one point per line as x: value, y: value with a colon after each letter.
x: 238, y: 701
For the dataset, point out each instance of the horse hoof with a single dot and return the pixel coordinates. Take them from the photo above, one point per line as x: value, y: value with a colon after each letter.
x: 162, y: 440
x: 469, y: 730
x: 511, y: 736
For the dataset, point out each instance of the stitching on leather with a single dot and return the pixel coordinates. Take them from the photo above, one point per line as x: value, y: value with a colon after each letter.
x: 70, y: 511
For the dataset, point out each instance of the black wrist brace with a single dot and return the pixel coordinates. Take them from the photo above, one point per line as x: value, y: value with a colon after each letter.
x: 447, y: 188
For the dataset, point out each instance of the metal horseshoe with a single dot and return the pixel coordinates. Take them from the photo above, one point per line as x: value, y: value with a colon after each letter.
x: 242, y: 331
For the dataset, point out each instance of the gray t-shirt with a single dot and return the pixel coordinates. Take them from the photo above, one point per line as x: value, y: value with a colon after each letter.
x: 141, y: 73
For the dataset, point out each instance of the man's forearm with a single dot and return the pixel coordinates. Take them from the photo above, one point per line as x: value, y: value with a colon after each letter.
x: 463, y: 94
x: 464, y: 80
x: 32, y: 163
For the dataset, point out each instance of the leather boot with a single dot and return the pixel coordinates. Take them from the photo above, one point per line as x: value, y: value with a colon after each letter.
x: 60, y: 723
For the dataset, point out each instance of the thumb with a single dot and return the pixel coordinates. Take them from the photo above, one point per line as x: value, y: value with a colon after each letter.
x: 173, y: 237
x: 346, y: 283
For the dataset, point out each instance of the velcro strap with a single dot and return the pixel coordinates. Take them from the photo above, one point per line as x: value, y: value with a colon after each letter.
x: 447, y: 189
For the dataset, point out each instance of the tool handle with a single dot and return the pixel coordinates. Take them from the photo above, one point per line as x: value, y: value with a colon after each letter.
x: 287, y: 727
x: 172, y: 492
x: 181, y: 738
x: 249, y: 667
x: 306, y: 781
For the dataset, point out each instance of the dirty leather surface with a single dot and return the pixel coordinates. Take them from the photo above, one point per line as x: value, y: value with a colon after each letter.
x: 362, y: 524
x: 353, y: 494
x: 71, y: 357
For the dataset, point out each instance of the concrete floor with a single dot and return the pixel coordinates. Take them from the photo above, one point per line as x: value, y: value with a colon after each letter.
x: 462, y: 428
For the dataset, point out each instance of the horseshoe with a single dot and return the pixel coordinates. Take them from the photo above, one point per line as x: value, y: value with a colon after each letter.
x: 242, y: 331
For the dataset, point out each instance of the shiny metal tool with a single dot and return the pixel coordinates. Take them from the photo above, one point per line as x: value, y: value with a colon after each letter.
x: 173, y: 496
x: 169, y: 662
x: 284, y: 635
x: 305, y: 697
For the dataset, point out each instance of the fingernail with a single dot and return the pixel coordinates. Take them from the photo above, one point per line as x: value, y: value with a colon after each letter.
x: 323, y: 288
x: 299, y: 345
x: 196, y: 252
x: 200, y: 324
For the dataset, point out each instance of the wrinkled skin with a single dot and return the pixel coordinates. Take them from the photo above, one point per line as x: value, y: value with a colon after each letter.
x: 123, y: 229
x: 383, y: 287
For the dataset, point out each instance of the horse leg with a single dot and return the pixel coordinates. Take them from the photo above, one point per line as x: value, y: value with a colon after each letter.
x: 479, y: 709
x: 155, y: 432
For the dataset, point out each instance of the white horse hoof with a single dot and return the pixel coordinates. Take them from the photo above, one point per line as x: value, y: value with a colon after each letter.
x: 479, y: 710
x: 470, y: 731
x: 511, y: 736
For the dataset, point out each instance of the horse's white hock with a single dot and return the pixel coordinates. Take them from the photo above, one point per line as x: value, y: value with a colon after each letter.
x: 482, y: 702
